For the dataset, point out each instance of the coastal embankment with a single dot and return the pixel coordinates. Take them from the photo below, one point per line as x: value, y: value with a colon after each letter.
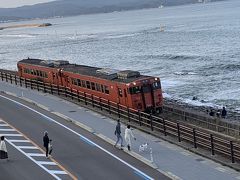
x: 25, y: 25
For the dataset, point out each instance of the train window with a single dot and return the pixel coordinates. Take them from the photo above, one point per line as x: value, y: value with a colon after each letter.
x: 93, y: 85
x: 120, y: 93
x: 146, y: 89
x: 98, y: 87
x: 156, y: 85
x: 31, y: 71
x: 34, y: 72
x: 125, y: 93
x: 74, y: 81
x: 84, y: 84
x: 135, y: 90
x: 40, y: 73
x: 106, y: 89
x: 88, y: 84
x: 79, y: 82
x: 45, y: 75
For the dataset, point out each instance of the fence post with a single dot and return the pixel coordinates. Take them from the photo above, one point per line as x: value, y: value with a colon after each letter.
x: 92, y: 100
x: 109, y: 110
x: 31, y: 84
x: 139, y: 117
x: 20, y: 81
x: 118, y: 110
x: 37, y: 86
x: 128, y: 114
x: 71, y: 93
x: 15, y: 79
x: 6, y: 77
x: 2, y: 75
x: 151, y: 121
x: 212, y: 145
x: 11, y: 78
x: 78, y: 95
x: 100, y: 103
x: 25, y: 82
x: 178, y: 130
x: 65, y: 90
x: 58, y: 89
x: 85, y: 98
x: 194, y: 138
x: 232, y: 152
x: 51, y: 89
x: 164, y: 127
x: 44, y: 88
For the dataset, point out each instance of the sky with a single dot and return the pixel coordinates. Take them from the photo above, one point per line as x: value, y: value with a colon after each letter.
x: 18, y: 3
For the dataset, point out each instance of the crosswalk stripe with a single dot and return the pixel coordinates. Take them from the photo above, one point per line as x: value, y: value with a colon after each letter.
x: 11, y: 135
x: 35, y: 154
x: 46, y: 163
x: 3, y: 125
x: 7, y: 130
x: 57, y: 172
x: 17, y: 140
x: 27, y: 147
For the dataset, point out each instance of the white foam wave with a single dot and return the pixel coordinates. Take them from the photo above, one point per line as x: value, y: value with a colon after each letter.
x: 17, y: 35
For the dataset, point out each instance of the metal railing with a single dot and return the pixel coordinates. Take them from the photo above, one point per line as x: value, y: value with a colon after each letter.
x: 214, y: 143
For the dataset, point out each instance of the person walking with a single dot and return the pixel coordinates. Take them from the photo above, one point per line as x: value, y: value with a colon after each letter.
x: 128, y: 136
x: 118, y: 134
x: 50, y: 147
x: 3, y: 149
x: 46, y: 142
x: 224, y: 112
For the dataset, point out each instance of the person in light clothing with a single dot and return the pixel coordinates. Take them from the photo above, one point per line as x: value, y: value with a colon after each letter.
x: 128, y: 136
x: 3, y: 149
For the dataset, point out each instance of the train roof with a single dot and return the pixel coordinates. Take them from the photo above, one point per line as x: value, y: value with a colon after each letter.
x: 124, y: 76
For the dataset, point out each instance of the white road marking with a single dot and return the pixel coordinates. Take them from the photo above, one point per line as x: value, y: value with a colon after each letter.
x: 57, y: 172
x: 30, y: 155
x: 17, y: 140
x: 16, y: 135
x: 7, y: 130
x: 3, y: 124
x: 27, y: 155
x: 27, y: 147
x: 83, y: 137
x: 35, y: 154
x: 47, y: 163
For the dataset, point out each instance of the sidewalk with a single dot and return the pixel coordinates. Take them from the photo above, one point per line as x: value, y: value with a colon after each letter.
x: 168, y: 158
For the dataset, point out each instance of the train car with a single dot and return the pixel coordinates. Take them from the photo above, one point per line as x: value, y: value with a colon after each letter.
x: 128, y: 88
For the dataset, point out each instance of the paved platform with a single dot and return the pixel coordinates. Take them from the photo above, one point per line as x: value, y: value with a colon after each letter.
x: 170, y: 159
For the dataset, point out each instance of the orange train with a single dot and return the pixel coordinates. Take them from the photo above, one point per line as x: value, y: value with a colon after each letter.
x: 128, y: 88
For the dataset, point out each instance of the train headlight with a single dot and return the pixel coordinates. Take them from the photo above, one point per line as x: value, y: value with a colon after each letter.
x: 134, y: 83
x: 156, y: 79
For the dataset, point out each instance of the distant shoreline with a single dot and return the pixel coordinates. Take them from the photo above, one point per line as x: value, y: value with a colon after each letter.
x: 26, y: 25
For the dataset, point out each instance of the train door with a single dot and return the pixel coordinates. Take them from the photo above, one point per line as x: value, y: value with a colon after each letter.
x: 121, y: 95
x: 147, y: 96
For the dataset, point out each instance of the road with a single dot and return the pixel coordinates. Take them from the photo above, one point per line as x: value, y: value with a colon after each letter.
x: 77, y: 154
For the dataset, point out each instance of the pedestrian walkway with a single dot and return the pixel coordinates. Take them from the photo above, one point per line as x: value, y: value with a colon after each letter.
x: 171, y: 159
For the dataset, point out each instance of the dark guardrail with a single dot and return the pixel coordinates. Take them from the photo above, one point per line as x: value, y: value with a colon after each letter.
x: 214, y: 143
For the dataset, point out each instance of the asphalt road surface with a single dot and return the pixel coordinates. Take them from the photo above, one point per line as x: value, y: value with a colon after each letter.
x: 77, y: 153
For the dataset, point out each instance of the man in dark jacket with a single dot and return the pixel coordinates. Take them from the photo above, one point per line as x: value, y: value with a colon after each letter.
x: 118, y: 134
x: 46, y: 142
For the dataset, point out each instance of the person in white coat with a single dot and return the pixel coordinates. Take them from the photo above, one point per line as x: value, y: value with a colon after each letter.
x: 128, y: 136
x: 3, y: 149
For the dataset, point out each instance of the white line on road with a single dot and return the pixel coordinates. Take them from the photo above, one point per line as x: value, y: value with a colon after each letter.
x: 35, y: 154
x: 3, y: 124
x: 47, y: 163
x: 17, y: 140
x: 15, y: 135
x: 57, y: 172
x: 7, y: 129
x: 27, y: 147
x: 82, y: 137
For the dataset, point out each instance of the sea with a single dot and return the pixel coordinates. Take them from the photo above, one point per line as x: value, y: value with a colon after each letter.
x: 194, y: 49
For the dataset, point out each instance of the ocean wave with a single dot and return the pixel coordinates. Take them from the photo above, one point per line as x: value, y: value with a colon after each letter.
x: 17, y: 35
x: 184, y: 73
x: 169, y: 56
